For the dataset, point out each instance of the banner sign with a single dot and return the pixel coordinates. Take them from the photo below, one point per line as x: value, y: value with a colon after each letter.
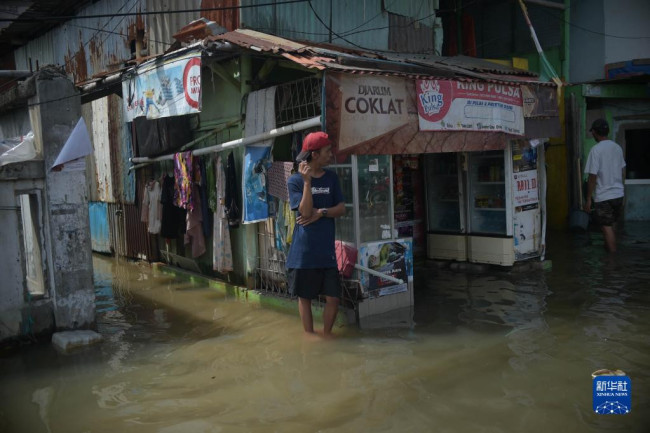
x: 445, y: 105
x: 525, y: 188
x: 164, y: 89
x: 369, y: 106
x: 365, y: 115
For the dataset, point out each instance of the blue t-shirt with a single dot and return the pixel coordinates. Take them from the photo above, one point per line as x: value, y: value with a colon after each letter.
x: 313, y: 245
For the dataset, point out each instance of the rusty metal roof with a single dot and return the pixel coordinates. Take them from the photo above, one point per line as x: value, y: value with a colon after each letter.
x: 326, y: 56
x: 258, y: 41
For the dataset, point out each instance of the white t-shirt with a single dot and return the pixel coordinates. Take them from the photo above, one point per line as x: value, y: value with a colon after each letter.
x: 606, y: 161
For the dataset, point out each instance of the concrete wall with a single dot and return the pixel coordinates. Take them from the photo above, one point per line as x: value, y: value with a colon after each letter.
x: 18, y: 314
x: 61, y: 224
x: 606, y: 31
x: 55, y: 115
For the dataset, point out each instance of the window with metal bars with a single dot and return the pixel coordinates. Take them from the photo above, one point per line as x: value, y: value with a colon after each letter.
x: 298, y: 100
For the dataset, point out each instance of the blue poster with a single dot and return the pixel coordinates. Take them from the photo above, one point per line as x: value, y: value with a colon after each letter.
x: 257, y: 160
x: 164, y: 88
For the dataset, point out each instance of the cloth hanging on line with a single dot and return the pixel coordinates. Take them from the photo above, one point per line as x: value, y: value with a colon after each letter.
x: 221, y: 248
x: 183, y: 167
x: 233, y: 211
x: 278, y: 175
x: 194, y: 232
x: 260, y: 117
x: 173, y: 218
x: 203, y: 191
x: 211, y: 179
x: 152, y: 206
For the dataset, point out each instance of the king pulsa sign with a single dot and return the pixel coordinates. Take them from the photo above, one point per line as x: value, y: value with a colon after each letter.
x: 446, y: 105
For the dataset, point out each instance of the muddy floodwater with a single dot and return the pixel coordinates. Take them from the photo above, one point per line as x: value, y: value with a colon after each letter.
x: 486, y: 352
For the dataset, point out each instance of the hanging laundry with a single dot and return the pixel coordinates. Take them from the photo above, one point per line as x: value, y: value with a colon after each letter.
x: 203, y: 190
x: 183, y: 171
x: 211, y: 179
x: 173, y: 218
x: 151, y: 202
x: 232, y: 195
x: 194, y: 232
x: 260, y: 118
x: 144, y: 210
x: 221, y: 248
x: 290, y: 221
x: 278, y: 175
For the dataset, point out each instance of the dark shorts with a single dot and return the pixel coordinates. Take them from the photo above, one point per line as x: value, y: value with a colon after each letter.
x: 309, y: 283
x: 607, y: 212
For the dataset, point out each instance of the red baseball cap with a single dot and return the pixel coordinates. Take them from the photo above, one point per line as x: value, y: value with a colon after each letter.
x: 313, y: 141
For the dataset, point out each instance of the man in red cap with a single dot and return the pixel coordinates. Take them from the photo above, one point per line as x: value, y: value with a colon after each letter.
x: 311, y: 264
x: 605, y: 166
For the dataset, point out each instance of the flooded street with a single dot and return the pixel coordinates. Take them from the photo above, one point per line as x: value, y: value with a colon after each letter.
x: 492, y: 352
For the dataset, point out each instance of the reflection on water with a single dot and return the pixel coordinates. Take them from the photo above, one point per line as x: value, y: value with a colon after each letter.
x: 498, y: 352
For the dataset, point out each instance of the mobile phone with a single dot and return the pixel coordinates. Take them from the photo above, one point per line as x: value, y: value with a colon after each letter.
x: 306, y: 158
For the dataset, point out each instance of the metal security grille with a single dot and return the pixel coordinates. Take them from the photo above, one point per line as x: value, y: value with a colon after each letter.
x: 271, y: 263
x: 271, y: 275
x: 298, y: 100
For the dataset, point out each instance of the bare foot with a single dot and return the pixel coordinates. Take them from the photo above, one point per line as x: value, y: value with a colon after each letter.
x: 325, y: 335
x: 311, y: 336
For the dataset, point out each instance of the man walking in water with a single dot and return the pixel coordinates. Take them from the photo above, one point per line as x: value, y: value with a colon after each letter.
x: 311, y: 264
x: 605, y: 166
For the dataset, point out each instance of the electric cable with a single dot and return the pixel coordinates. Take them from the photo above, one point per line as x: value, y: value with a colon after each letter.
x: 74, y: 17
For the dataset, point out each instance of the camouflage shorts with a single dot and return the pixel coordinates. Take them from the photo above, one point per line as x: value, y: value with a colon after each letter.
x: 607, y: 212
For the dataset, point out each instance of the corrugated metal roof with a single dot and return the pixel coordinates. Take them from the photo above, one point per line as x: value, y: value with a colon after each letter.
x: 258, y: 41
x: 161, y: 27
x: 314, y: 56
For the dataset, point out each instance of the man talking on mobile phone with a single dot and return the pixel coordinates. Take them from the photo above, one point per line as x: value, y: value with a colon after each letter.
x: 315, y: 193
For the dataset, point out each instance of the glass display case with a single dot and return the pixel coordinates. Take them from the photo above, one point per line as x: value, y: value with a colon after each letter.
x: 345, y: 223
x: 375, y: 208
x: 487, y: 187
x: 444, y: 193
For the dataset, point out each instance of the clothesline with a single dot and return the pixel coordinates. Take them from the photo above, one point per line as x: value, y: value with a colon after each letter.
x: 277, y: 132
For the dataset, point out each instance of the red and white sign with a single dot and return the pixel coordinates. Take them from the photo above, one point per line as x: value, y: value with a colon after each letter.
x: 192, y: 82
x: 445, y: 105
x: 524, y: 185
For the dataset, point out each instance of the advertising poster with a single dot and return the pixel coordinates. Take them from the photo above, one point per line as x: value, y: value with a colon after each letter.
x: 525, y: 190
x: 367, y: 107
x: 445, y: 105
x: 394, y: 258
x: 361, y: 117
x: 164, y: 89
x: 256, y: 203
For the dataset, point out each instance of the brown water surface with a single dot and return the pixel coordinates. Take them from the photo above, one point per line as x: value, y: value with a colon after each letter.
x: 492, y: 352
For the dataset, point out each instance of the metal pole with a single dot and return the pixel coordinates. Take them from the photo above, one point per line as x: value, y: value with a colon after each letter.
x: 277, y: 132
